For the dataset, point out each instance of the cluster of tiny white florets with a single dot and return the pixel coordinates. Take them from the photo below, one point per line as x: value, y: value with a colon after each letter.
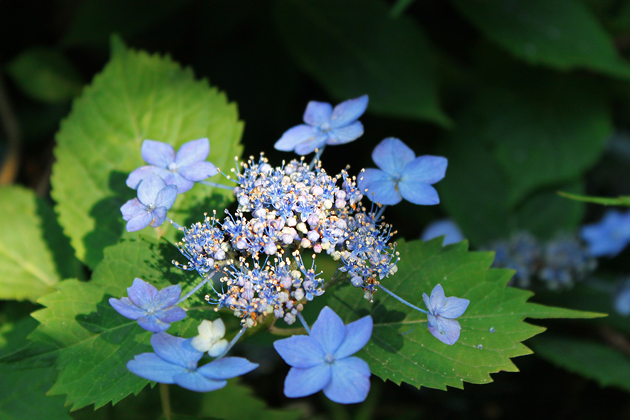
x: 287, y: 209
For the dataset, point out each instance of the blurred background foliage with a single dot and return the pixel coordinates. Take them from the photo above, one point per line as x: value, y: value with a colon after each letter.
x: 524, y: 97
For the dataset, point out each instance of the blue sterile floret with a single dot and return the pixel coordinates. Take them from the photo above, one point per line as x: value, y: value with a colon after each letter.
x: 622, y: 298
x: 154, y: 310
x: 446, y: 228
x: 323, y: 359
x: 325, y: 126
x: 175, y: 362
x: 609, y: 236
x: 402, y: 175
x: 154, y: 200
x: 182, y: 169
x: 442, y: 313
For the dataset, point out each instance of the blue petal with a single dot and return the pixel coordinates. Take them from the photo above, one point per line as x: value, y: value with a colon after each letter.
x: 300, y: 351
x: 357, y: 335
x: 150, y: 366
x: 454, y: 307
x: 427, y: 169
x: 294, y: 136
x: 446, y: 330
x: 380, y: 186
x: 317, y: 113
x: 328, y: 330
x: 350, y: 381
x: 157, y: 153
x: 149, y: 188
x: 347, y: 112
x: 159, y: 215
x: 303, y: 382
x: 345, y: 134
x: 127, y: 309
x: 427, y: 302
x: 309, y: 146
x: 198, y: 171
x: 166, y: 197
x: 135, y: 177
x: 142, y: 294
x: 167, y: 296
x: 153, y: 323
x: 392, y: 155
x: 132, y: 208
x: 139, y: 222
x: 196, y: 382
x: 175, y: 350
x: 226, y: 368
x: 444, y: 227
x: 193, y: 151
x: 172, y: 314
x: 182, y: 184
x: 418, y: 192
x: 438, y: 299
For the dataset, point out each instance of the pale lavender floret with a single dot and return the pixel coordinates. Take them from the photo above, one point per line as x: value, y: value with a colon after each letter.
x: 622, y: 298
x: 154, y: 200
x: 175, y: 362
x: 443, y: 227
x: 402, y: 175
x: 154, y: 310
x: 325, y: 125
x: 609, y: 236
x: 442, y: 313
x: 321, y: 361
x: 181, y: 169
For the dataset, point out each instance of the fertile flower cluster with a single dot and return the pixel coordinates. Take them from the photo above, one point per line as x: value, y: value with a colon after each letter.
x: 557, y: 263
x: 283, y: 212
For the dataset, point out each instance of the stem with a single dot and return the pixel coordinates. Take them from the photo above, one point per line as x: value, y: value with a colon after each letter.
x: 335, y: 279
x: 303, y: 321
x: 380, y: 212
x: 166, y: 401
x: 174, y: 223
x: 318, y: 153
x: 216, y: 185
x: 383, y: 288
x: 234, y: 340
x: 197, y: 287
x: 285, y: 331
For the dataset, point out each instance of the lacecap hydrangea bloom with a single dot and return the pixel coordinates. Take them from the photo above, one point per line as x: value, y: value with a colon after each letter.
x: 323, y: 360
x: 182, y: 169
x: 402, y: 175
x: 325, y: 126
x: 154, y: 200
x: 609, y: 236
x: 442, y: 315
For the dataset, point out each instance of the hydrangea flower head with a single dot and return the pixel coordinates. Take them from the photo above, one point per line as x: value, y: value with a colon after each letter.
x: 154, y: 200
x: 210, y: 338
x: 175, y: 362
x: 444, y: 227
x: 181, y: 169
x: 402, y: 175
x: 609, y: 236
x: 325, y: 125
x: 322, y: 360
x: 154, y: 310
x: 442, y: 314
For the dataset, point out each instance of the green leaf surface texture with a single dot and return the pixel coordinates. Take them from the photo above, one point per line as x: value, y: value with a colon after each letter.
x: 137, y: 96
x: 403, y: 350
x: 91, y: 340
x: 34, y: 254
x: 563, y: 34
x: 352, y: 48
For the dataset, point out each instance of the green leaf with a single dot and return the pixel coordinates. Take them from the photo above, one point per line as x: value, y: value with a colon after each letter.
x: 34, y: 254
x: 619, y: 201
x: 545, y: 128
x: 136, y: 97
x: 92, y: 341
x: 23, y: 395
x: 560, y: 33
x: 403, y: 350
x: 45, y: 74
x: 597, y: 361
x: 475, y: 180
x: 353, y: 47
x: 236, y: 402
